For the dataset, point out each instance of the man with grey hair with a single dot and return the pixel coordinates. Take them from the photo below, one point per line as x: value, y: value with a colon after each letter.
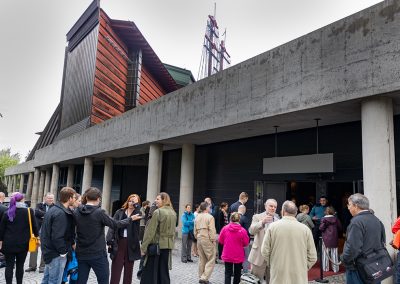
x: 288, y: 248
x: 258, y: 227
x: 40, y: 211
x: 365, y: 233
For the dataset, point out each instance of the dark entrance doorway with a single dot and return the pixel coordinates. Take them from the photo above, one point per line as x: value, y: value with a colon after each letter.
x: 301, y: 192
x: 338, y: 193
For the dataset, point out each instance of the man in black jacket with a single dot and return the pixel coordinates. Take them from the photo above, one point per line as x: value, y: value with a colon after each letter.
x: 243, y: 198
x: 41, y: 209
x: 364, y: 234
x: 57, y: 236
x: 90, y: 221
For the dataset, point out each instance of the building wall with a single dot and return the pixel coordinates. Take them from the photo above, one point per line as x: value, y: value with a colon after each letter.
x: 78, y: 85
x: 150, y: 89
x: 224, y: 170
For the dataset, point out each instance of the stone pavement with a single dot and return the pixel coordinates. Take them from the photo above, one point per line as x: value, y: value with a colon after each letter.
x: 181, y: 273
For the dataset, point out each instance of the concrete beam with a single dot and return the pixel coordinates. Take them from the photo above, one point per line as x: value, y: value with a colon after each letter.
x: 351, y: 59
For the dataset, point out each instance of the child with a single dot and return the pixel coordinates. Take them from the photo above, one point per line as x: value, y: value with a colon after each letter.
x: 234, y: 238
x: 330, y: 228
x: 304, y: 218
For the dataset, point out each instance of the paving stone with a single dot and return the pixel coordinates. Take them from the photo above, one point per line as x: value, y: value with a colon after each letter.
x: 181, y: 273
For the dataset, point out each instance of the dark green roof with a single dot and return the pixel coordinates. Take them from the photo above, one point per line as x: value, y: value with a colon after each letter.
x: 181, y: 76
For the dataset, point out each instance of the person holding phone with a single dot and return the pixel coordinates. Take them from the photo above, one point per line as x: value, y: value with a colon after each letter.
x: 124, y: 246
x: 258, y: 227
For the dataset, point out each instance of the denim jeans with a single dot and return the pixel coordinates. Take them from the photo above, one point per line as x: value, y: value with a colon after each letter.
x: 352, y: 277
x: 53, y: 272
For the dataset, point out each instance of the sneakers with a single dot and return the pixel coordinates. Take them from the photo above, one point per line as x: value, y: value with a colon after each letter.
x: 189, y: 260
x: 30, y: 269
x: 41, y: 270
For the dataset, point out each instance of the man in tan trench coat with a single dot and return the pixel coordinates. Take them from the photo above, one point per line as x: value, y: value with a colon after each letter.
x: 259, y: 225
x: 288, y: 248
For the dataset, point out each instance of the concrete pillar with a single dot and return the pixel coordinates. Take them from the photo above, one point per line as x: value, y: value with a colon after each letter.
x: 35, y: 188
x: 71, y: 175
x: 29, y: 187
x: 47, y: 181
x: 41, y: 186
x: 187, y: 179
x: 154, y: 171
x: 21, y: 183
x: 87, y: 174
x: 107, y: 184
x: 54, y: 180
x: 379, y: 174
x: 14, y: 183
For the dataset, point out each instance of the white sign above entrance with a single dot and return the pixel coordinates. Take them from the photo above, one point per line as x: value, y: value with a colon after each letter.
x: 316, y: 163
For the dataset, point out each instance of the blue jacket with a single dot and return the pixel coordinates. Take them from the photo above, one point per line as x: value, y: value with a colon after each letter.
x: 319, y: 211
x: 187, y: 222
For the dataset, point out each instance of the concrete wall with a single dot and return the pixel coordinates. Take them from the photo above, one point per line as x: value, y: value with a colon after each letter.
x: 350, y: 59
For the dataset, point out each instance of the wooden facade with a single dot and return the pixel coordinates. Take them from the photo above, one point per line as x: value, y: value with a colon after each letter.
x: 110, y: 82
x: 111, y: 74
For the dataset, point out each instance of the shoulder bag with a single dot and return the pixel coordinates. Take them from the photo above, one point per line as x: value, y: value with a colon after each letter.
x: 33, y: 241
x: 375, y: 266
x: 154, y: 249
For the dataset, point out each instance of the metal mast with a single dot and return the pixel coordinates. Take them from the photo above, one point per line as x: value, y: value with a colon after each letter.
x: 214, y: 55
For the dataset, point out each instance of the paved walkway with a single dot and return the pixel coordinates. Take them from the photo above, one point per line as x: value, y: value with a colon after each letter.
x: 181, y: 273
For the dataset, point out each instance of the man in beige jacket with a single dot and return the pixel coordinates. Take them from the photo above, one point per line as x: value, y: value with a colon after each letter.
x: 205, y: 233
x: 288, y: 248
x: 259, y: 225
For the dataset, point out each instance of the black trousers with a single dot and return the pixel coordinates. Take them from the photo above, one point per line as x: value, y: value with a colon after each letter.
x: 232, y: 269
x: 156, y: 269
x: 11, y: 259
x: 220, y: 249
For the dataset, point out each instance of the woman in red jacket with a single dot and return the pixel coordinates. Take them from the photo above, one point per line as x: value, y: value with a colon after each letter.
x: 234, y: 238
x: 395, y: 228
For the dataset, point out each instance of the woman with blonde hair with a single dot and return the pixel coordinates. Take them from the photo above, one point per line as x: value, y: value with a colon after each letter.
x: 158, y: 241
x: 124, y: 246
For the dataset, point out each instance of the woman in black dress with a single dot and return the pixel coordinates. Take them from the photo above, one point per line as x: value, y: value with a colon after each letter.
x: 124, y: 242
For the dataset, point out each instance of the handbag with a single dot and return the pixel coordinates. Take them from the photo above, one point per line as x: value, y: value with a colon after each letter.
x: 248, y: 278
x: 153, y: 249
x: 33, y: 241
x: 375, y: 266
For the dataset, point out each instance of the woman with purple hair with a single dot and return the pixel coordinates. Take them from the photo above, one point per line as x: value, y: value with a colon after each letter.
x: 14, y: 236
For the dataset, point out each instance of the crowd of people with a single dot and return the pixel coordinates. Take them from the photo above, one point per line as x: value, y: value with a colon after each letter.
x: 275, y: 248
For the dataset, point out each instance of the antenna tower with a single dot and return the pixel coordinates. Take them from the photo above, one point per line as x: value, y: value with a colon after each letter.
x: 214, y: 56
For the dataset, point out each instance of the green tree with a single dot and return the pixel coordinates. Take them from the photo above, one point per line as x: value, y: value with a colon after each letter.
x: 7, y: 160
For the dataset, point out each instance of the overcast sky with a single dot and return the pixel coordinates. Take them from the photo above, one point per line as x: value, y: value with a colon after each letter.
x: 32, y: 43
